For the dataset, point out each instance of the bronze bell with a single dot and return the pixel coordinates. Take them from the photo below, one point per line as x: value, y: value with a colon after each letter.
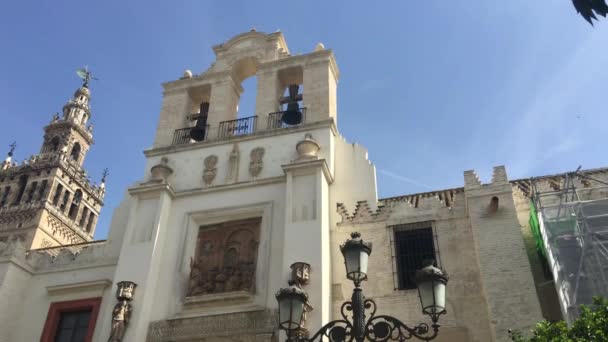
x: 292, y: 115
x: 198, y: 132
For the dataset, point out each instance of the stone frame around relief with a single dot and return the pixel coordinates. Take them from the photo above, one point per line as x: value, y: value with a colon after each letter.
x: 216, y: 303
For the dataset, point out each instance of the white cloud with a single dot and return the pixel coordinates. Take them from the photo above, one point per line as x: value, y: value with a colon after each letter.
x: 404, y: 179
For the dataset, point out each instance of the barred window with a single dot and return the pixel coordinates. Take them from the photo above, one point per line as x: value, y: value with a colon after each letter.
x: 413, y: 244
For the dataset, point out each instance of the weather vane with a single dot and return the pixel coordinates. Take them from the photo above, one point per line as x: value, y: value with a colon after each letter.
x: 104, y: 175
x: 12, y: 146
x: 86, y: 75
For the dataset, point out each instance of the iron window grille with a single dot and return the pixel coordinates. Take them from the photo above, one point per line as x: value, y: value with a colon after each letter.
x: 413, y: 244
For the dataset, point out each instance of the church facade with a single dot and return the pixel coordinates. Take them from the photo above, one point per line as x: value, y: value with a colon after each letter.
x: 198, y: 248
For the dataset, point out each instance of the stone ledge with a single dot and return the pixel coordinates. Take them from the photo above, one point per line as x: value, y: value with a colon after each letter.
x: 97, y: 286
x: 241, y: 326
x: 218, y: 299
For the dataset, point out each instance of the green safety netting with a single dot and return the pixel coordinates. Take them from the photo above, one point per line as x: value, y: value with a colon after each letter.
x: 535, y: 227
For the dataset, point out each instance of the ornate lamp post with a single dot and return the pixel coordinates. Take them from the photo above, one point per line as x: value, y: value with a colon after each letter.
x: 431, y: 289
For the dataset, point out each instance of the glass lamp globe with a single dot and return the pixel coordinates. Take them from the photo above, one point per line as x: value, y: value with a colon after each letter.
x: 292, y: 304
x: 431, y: 283
x: 356, y: 255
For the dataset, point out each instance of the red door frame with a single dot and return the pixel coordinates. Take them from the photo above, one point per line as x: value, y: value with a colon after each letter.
x: 55, y: 310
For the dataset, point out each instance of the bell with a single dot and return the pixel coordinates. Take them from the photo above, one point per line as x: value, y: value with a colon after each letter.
x: 293, y: 114
x: 198, y: 132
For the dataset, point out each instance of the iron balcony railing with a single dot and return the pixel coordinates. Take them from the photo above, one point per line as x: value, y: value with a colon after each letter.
x: 275, y: 120
x: 238, y: 127
x: 182, y: 135
x: 235, y: 128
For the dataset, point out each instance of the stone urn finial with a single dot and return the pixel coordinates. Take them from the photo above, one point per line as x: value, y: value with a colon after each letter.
x: 160, y: 172
x: 308, y: 148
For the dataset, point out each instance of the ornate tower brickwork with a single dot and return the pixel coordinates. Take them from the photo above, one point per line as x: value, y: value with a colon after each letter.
x: 48, y: 199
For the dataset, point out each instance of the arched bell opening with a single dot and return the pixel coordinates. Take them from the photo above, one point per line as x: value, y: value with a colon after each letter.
x: 198, y: 114
x: 75, y: 154
x: 291, y: 101
x: 242, y: 118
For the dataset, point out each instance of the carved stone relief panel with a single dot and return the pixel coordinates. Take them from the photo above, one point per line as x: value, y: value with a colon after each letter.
x: 225, y: 258
x: 257, y: 161
x: 210, y: 170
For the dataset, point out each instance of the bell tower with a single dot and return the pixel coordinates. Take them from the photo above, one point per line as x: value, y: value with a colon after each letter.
x: 48, y: 199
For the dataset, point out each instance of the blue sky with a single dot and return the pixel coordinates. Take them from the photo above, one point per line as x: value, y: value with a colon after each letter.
x: 431, y: 88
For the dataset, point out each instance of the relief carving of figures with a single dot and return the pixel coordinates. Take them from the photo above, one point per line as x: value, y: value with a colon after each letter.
x: 256, y: 164
x: 225, y: 259
x: 210, y: 170
x: 120, y: 320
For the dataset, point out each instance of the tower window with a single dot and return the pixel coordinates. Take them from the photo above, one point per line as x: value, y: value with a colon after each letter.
x: 42, y: 189
x: 22, y: 184
x: 54, y: 146
x: 75, y: 203
x: 90, y: 223
x: 83, y: 217
x: 30, y: 194
x: 64, y: 202
x: 75, y: 154
x: 7, y: 191
x: 412, y: 247
x: 57, y: 194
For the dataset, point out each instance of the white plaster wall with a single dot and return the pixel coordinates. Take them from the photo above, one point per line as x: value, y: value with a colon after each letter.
x: 12, y: 295
x: 355, y: 177
x: 37, y: 301
x: 280, y: 149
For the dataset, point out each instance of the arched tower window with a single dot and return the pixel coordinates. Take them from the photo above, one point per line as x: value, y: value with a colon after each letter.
x: 75, y: 154
x: 75, y: 203
x: 21, y: 191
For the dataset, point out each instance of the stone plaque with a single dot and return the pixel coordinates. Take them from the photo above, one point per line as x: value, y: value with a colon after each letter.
x: 225, y: 258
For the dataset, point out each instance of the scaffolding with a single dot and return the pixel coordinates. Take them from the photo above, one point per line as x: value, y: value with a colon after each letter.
x: 570, y: 224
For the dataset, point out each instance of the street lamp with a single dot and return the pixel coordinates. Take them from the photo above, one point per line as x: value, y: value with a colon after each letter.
x: 293, y: 303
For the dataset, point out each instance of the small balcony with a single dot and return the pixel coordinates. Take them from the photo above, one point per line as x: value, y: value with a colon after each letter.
x: 182, y: 135
x: 238, y: 127
x: 275, y: 120
x: 235, y: 128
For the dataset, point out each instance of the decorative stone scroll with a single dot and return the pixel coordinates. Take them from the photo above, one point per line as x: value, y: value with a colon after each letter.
x: 225, y: 259
x: 257, y: 161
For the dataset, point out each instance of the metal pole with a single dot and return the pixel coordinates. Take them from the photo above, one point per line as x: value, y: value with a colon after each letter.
x: 358, y: 313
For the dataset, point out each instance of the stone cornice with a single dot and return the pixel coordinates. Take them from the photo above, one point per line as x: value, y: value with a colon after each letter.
x: 158, y: 151
x: 312, y: 163
x: 150, y: 188
x: 224, y: 187
x: 89, y: 286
